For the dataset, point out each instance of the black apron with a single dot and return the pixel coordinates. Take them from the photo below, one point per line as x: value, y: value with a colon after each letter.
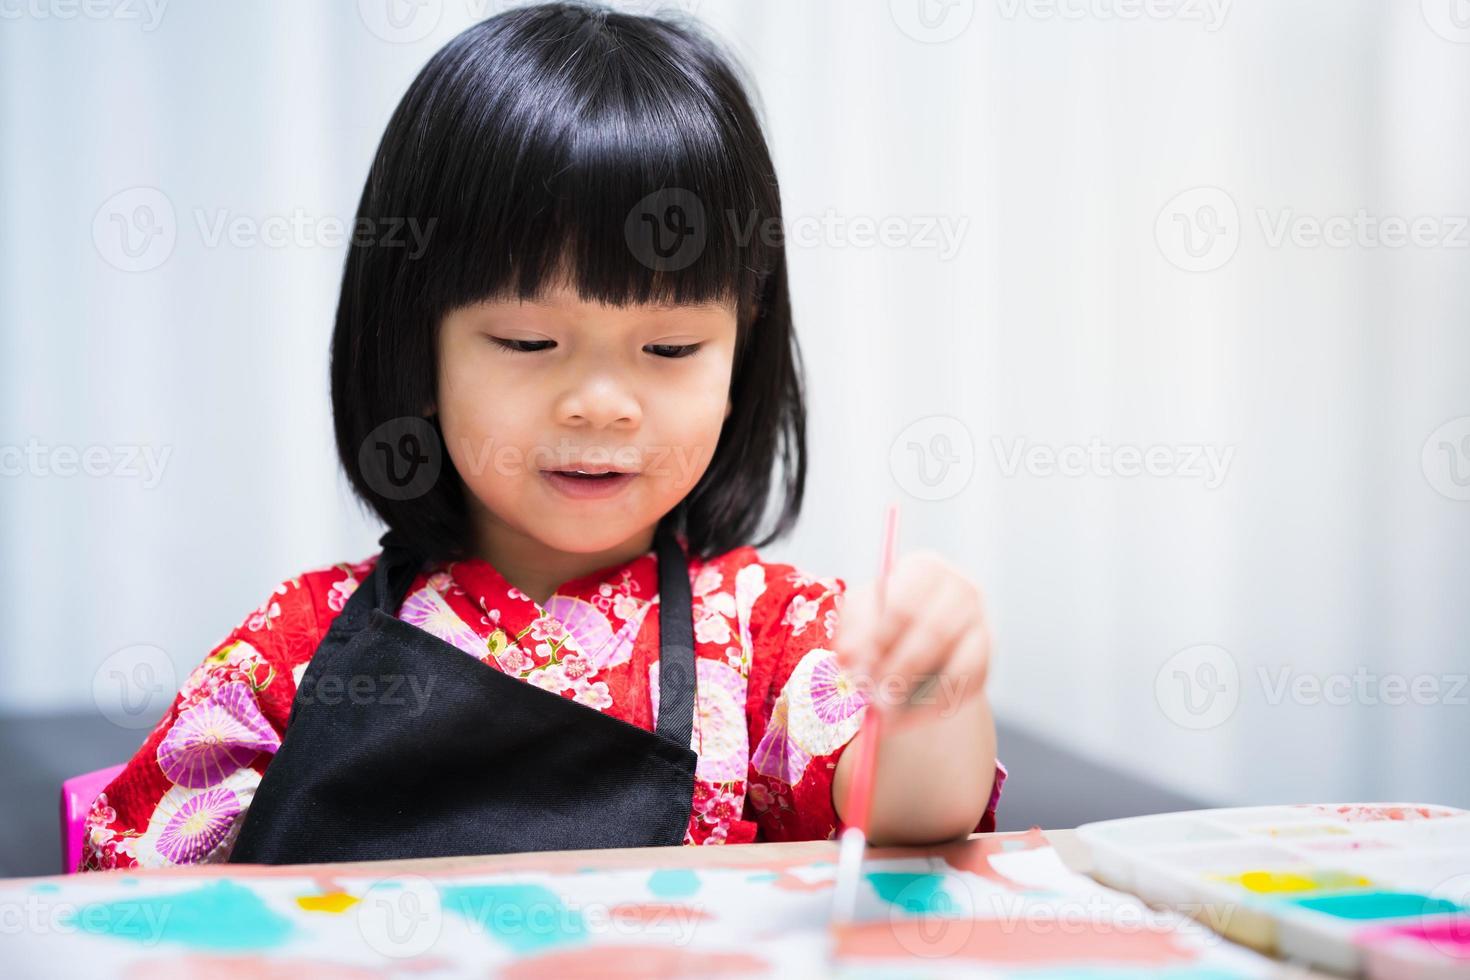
x: 401, y: 745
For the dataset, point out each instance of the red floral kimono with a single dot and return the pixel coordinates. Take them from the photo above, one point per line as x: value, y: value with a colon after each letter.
x: 774, y: 712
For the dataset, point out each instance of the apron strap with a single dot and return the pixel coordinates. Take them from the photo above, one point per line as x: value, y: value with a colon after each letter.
x: 395, y: 572
x: 676, y: 674
x: 385, y: 589
x: 677, y: 678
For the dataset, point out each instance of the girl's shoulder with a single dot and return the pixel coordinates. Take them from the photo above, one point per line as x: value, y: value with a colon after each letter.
x: 765, y: 587
x: 291, y: 620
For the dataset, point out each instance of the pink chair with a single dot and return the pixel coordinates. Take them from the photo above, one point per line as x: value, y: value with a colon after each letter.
x: 77, y: 795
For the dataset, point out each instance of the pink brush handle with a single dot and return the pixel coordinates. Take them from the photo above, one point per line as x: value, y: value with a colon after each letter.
x: 860, y: 793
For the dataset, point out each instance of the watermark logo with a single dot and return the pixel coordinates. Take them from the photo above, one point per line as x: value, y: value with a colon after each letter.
x: 392, y: 690
x: 941, y: 233
x: 944, y: 921
x: 1445, y: 459
x: 1198, y: 688
x: 133, y: 686
x: 1199, y: 229
x: 301, y: 229
x: 933, y: 458
x: 148, y: 13
x: 1448, y: 934
x: 667, y: 230
x: 932, y: 21
x: 1362, y: 686
x: 1206, y: 463
x: 1450, y: 19
x: 123, y: 462
x: 401, y: 21
x: 402, y: 458
x: 135, y: 230
x: 400, y: 916
x: 480, y: 9
x: 1363, y: 229
x: 1210, y: 13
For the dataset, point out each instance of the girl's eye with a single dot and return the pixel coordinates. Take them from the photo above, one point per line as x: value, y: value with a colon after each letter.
x: 532, y: 346
x: 523, y: 346
x: 672, y: 350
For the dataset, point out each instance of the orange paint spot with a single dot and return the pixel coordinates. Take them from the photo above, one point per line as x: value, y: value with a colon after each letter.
x: 1005, y: 941
x: 615, y: 962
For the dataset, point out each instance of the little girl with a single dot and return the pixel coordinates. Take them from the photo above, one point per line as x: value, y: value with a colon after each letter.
x: 568, y: 406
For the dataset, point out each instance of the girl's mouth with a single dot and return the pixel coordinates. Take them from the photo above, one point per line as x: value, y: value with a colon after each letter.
x: 587, y: 486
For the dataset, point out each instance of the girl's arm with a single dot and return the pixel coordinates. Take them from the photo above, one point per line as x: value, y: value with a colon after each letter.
x: 242, y: 692
x: 936, y: 762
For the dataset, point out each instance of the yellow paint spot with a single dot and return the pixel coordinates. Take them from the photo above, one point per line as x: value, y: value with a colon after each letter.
x: 1271, y: 882
x: 1301, y: 830
x: 334, y: 902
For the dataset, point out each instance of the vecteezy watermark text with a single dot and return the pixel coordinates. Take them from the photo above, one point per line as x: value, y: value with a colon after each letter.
x: 1207, y: 463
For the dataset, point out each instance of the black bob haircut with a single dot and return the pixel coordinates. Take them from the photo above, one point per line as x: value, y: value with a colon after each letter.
x: 565, y: 142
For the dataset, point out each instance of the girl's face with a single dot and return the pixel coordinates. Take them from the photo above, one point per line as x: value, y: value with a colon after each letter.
x: 530, y: 391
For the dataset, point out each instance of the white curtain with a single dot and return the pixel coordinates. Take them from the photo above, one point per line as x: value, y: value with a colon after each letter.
x: 1006, y: 307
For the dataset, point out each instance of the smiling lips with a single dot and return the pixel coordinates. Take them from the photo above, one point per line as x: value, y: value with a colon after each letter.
x: 589, y: 482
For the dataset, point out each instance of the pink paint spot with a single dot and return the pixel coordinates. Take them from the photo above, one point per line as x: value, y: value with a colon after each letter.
x: 615, y: 962
x: 786, y: 881
x: 1342, y: 845
x: 244, y: 968
x: 974, y: 855
x: 1367, y: 812
x: 657, y: 913
x: 1010, y: 942
x: 1449, y: 937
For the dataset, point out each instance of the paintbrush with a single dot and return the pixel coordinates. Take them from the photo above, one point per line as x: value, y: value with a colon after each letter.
x: 854, y: 839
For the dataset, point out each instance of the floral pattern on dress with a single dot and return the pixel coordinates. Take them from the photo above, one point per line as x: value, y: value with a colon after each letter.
x: 195, y: 826
x: 773, y: 712
x: 426, y: 609
x: 215, y: 738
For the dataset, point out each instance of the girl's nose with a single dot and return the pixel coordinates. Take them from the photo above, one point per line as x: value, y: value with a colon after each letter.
x: 600, y: 401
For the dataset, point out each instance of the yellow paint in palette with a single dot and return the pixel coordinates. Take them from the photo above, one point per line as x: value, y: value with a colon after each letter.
x: 1294, y: 882
x: 334, y: 902
x: 1302, y: 830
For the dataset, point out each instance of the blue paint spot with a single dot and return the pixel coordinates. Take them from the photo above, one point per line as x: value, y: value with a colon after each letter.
x: 527, y: 918
x: 1129, y: 973
x: 762, y: 876
x: 673, y: 883
x: 1378, y: 905
x: 46, y: 886
x: 916, y: 893
x: 219, y: 916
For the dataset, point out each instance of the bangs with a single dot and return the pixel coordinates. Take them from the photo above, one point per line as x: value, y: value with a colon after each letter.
x: 580, y: 158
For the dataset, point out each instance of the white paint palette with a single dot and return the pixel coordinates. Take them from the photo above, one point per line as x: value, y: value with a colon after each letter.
x: 1363, y: 889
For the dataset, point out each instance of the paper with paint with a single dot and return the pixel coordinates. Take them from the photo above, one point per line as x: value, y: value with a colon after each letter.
x: 1381, y: 889
x: 997, y: 906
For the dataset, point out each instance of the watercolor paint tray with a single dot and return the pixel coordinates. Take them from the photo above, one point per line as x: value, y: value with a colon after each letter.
x: 1362, y: 889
